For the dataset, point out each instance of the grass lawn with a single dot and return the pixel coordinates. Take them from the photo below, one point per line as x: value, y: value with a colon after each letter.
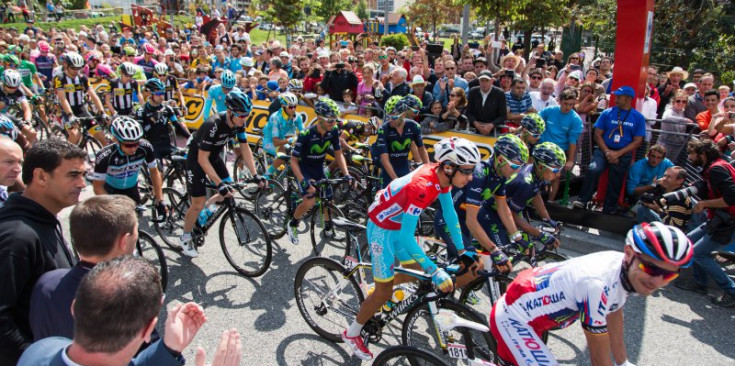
x: 89, y: 22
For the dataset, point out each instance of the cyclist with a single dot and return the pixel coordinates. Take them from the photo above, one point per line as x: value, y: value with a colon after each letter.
x: 352, y: 131
x: 205, y: 164
x: 146, y: 62
x: 118, y: 164
x: 11, y: 95
x: 12, y: 62
x: 129, y: 57
x: 45, y: 63
x: 525, y: 187
x: 494, y: 219
x: 307, y: 162
x: 119, y: 99
x: 218, y: 93
x: 160, y: 71
x: 415, y: 104
x: 532, y: 126
x: 280, y: 132
x: 396, y: 137
x: 154, y: 117
x: 70, y: 89
x: 7, y: 128
x: 592, y: 288
x: 392, y: 223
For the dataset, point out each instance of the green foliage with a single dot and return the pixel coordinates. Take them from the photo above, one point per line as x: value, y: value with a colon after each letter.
x: 90, y: 22
x: 327, y: 8
x: 397, y: 41
x: 285, y: 12
x: 430, y: 13
x: 362, y: 9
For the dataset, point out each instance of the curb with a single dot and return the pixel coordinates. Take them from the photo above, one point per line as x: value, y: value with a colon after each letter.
x: 585, y: 240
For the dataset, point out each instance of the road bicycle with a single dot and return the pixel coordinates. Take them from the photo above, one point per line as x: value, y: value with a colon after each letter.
x: 407, y: 355
x: 146, y: 247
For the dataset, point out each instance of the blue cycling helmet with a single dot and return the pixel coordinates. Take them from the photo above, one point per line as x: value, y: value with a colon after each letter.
x: 228, y: 79
x: 327, y: 108
x: 154, y: 85
x: 401, y: 106
x: 239, y: 102
x: 7, y: 127
x: 272, y: 85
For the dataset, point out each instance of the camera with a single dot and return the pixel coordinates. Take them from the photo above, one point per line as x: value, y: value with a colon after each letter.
x: 680, y: 194
x: 339, y: 65
x: 540, y: 62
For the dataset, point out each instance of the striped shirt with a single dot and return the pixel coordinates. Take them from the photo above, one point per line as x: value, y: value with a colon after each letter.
x: 122, y: 94
x: 74, y: 88
x: 518, y: 106
x: 171, y: 85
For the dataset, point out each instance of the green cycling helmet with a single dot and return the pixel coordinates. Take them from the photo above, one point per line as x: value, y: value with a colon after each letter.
x: 11, y: 59
x: 534, y: 124
x: 391, y: 103
x: 413, y: 101
x: 549, y: 154
x: 327, y: 108
x: 512, y: 148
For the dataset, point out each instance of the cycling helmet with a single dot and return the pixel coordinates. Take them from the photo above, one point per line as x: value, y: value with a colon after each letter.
x: 128, y: 69
x: 43, y: 46
x: 11, y: 59
x: 160, y: 68
x: 126, y: 129
x: 327, y: 108
x: 92, y: 56
x: 271, y: 85
x: 74, y: 59
x: 228, y: 79
x: 104, y: 71
x: 403, y: 105
x: 238, y: 101
x: 7, y: 127
x: 129, y: 51
x: 148, y: 48
x: 391, y: 103
x: 288, y: 99
x: 661, y: 242
x: 511, y: 147
x: 11, y: 78
x: 154, y: 85
x: 533, y: 123
x: 413, y: 101
x: 375, y: 122
x: 549, y: 154
x: 456, y: 151
x: 295, y: 84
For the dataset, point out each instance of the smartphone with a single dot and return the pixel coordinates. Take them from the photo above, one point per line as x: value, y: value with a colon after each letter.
x: 575, y: 67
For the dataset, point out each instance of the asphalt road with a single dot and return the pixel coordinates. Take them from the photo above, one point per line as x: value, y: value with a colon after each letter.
x: 671, y: 327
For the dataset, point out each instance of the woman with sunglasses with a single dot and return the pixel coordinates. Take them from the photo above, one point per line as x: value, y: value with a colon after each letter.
x: 155, y: 118
x: 673, y: 120
x: 592, y: 288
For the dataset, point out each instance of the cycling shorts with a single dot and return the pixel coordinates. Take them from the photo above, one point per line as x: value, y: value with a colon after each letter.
x: 518, y: 343
x: 385, y: 247
x: 198, y: 179
x: 273, y: 149
x: 314, y: 173
x: 131, y: 192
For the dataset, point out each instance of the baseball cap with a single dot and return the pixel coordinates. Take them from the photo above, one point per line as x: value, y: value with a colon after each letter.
x: 690, y: 85
x: 484, y: 74
x: 625, y: 90
x: 284, y: 54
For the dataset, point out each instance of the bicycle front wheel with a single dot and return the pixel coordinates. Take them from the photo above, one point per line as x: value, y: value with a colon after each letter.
x: 328, y: 244
x: 408, y: 355
x: 245, y: 242
x: 480, y: 297
x: 420, y: 330
x: 92, y: 147
x: 147, y: 248
x: 327, y: 299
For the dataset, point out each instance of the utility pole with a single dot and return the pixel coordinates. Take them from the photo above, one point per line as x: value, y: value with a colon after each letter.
x: 465, y: 23
x: 385, y: 17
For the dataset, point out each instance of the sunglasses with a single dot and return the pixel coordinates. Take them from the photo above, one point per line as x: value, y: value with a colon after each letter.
x: 449, y: 68
x: 553, y: 170
x: 331, y: 120
x: 655, y: 271
x: 291, y: 107
x: 393, y: 117
x: 159, y: 93
x: 130, y: 145
x: 241, y: 115
x: 512, y: 165
x: 466, y: 171
x: 534, y: 135
x: 536, y: 78
x: 75, y: 68
x: 382, y: 57
x: 680, y: 101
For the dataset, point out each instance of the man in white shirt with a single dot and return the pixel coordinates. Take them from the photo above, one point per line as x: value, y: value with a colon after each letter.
x: 544, y: 98
x: 648, y: 109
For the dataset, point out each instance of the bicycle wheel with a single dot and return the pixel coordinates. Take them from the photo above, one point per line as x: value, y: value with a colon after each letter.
x: 541, y: 259
x: 92, y: 147
x: 249, y: 193
x: 419, y: 330
x: 175, y: 177
x: 328, y: 301
x: 42, y: 131
x: 245, y: 242
x: 147, y: 248
x: 407, y: 355
x: 272, y: 208
x: 480, y: 297
x: 328, y: 245
x: 173, y: 226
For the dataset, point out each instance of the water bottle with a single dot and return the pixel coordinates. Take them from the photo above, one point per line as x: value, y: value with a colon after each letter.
x: 399, y: 294
x: 206, y: 214
x: 326, y: 172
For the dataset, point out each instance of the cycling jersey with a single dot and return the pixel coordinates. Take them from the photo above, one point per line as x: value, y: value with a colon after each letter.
x: 311, y: 146
x: 522, y: 188
x: 171, y: 85
x: 45, y: 65
x: 554, y: 296
x: 394, y: 215
x: 26, y: 70
x: 8, y: 100
x: 217, y: 94
x: 281, y: 127
x: 397, y: 146
x: 120, y: 170
x: 147, y: 66
x: 122, y: 95
x: 354, y: 129
x: 74, y: 89
x: 154, y: 121
x: 138, y: 76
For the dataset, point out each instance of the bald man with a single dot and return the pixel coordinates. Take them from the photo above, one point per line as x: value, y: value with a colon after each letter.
x: 11, y: 158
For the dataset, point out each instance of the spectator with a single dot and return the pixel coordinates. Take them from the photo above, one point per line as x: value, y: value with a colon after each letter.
x: 102, y: 228
x: 618, y: 133
x: 337, y: 79
x: 366, y: 88
x: 563, y: 127
x: 276, y: 69
x: 433, y: 123
x: 697, y: 75
x: 673, y: 211
x: 448, y: 82
x: 486, y: 105
x: 724, y: 123
x: 11, y: 157
x: 673, y: 125
x: 535, y: 77
x: 652, y: 82
x: 385, y: 68
x: 128, y: 290
x: 711, y: 105
x: 718, y: 233
x: 724, y: 91
x: 586, y: 104
x: 418, y: 88
x: 648, y: 110
x: 31, y: 239
x: 644, y: 175
x: 695, y: 105
x: 558, y: 60
x: 518, y: 101
x: 544, y: 97
x: 690, y: 89
x: 455, y: 113
x: 606, y: 64
x: 398, y: 85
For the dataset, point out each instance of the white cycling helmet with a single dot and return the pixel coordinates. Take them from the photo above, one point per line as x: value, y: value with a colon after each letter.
x: 288, y: 99
x: 456, y: 151
x: 126, y: 129
x: 11, y: 78
x: 295, y: 84
x: 160, y: 68
x: 75, y: 60
x: 665, y: 243
x: 128, y: 68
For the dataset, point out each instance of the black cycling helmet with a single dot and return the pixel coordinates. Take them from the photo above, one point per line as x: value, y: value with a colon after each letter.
x: 238, y: 102
x: 154, y: 85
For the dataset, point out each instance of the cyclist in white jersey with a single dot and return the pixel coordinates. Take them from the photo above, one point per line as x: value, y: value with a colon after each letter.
x: 591, y: 288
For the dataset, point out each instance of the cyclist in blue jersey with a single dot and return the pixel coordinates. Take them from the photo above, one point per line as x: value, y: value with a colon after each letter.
x: 307, y: 162
x: 118, y: 164
x: 218, y: 93
x: 393, y: 217
x: 281, y: 130
x: 396, y: 138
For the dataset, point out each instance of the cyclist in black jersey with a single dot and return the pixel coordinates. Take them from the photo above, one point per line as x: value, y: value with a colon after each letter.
x: 351, y: 131
x: 205, y: 164
x: 11, y: 95
x: 154, y: 117
x: 119, y: 100
x: 173, y: 92
x: 70, y: 89
x: 118, y: 165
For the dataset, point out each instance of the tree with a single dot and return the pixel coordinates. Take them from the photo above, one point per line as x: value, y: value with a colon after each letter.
x: 432, y: 12
x: 327, y: 8
x: 285, y: 13
x: 361, y: 11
